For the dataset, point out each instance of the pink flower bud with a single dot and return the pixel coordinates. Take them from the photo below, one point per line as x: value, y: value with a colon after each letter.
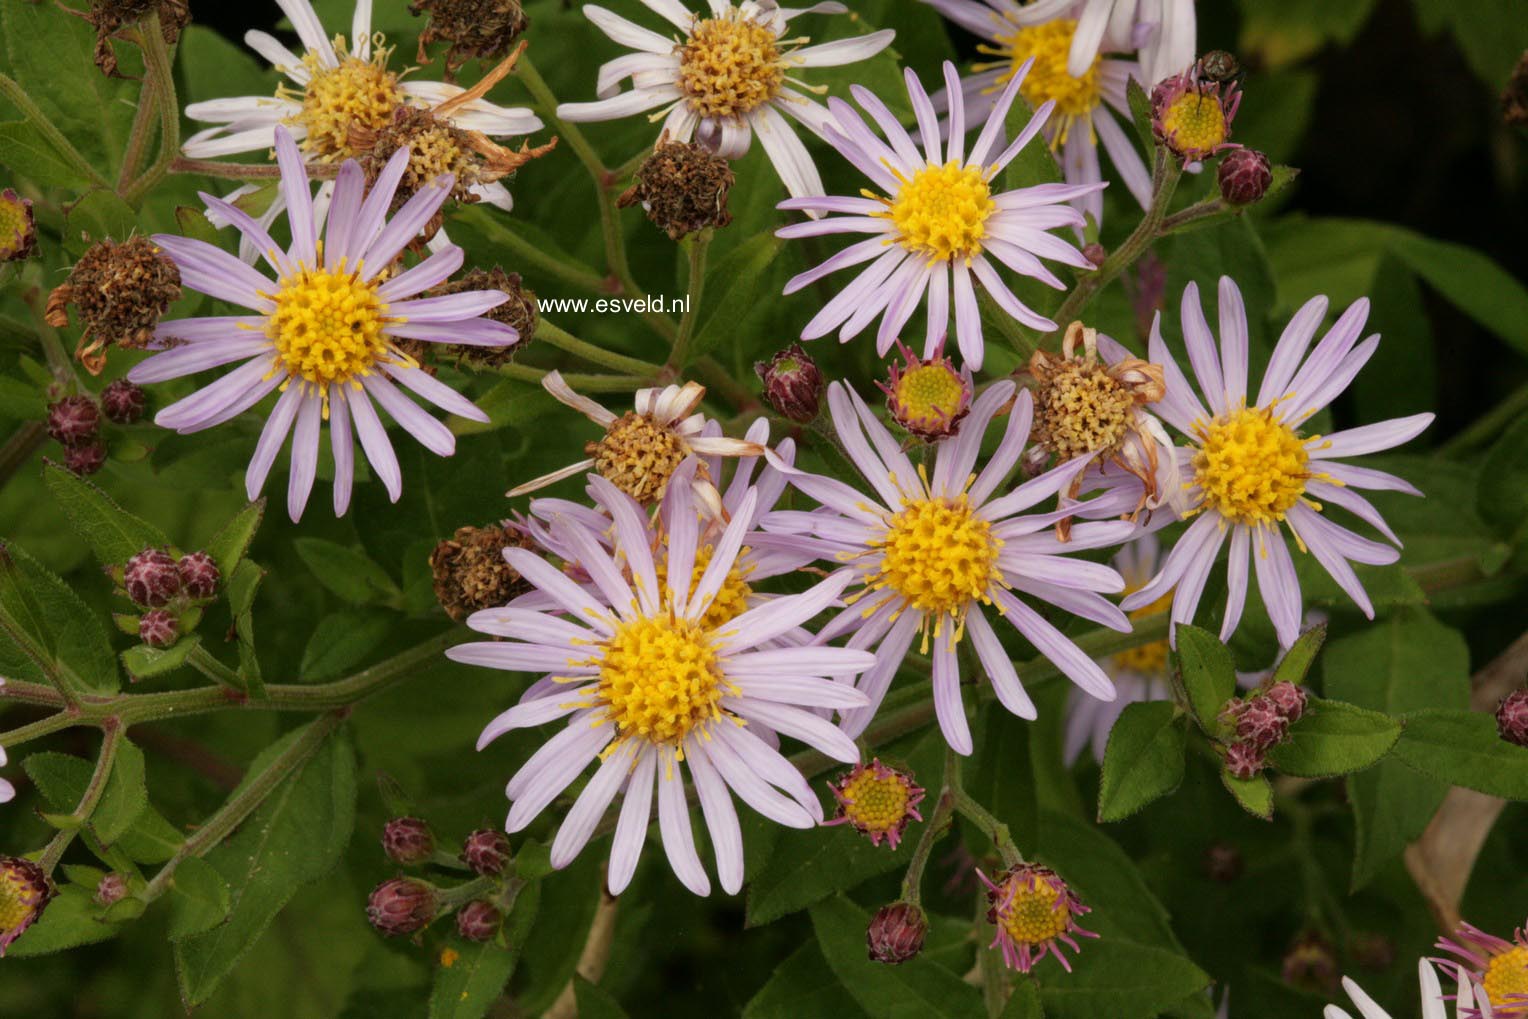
x: 157, y: 628
x: 74, y: 420
x: 896, y: 933
x: 401, y: 905
x: 151, y: 577
x: 478, y: 920
x: 408, y: 841
x: 1245, y: 176
x: 122, y: 402
x: 793, y: 383
x: 486, y: 851
x: 199, y: 575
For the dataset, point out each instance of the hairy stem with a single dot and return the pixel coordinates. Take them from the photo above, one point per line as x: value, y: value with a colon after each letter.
x: 581, y: 382
x: 156, y: 58
x: 679, y: 356
x: 565, y: 341
x: 92, y: 795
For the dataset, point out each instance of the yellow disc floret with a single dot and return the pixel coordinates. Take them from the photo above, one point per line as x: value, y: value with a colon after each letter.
x: 1195, y: 125
x: 1507, y: 977
x: 1050, y: 44
x: 876, y: 802
x: 638, y: 455
x: 660, y: 678
x: 14, y: 905
x: 939, y: 555
x: 729, y: 66
x: 1251, y: 467
x: 931, y: 392
x: 730, y: 602
x: 327, y: 326
x: 942, y: 212
x: 1035, y: 913
x: 1080, y: 408
x: 1148, y: 659
x: 357, y: 93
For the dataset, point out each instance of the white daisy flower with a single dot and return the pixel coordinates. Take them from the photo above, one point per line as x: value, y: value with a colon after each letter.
x: 724, y: 79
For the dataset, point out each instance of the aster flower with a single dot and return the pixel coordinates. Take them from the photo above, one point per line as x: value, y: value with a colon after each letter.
x: 1248, y: 469
x: 1433, y: 1000
x: 724, y: 79
x: 877, y: 801
x: 339, y: 94
x: 25, y: 891
x: 928, y: 397
x: 936, y: 223
x: 1035, y: 913
x: 642, y: 448
x: 1497, y: 966
x: 1192, y: 116
x: 929, y: 553
x: 653, y: 688
x: 1090, y: 103
x: 325, y: 332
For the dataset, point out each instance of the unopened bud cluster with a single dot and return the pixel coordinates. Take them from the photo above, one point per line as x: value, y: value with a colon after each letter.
x: 406, y: 904
x: 1512, y: 718
x: 1255, y: 724
x: 75, y: 423
x: 170, y: 588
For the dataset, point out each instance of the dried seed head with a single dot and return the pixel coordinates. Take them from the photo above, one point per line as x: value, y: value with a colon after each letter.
x: 86, y: 458
x: 486, y: 851
x: 519, y: 313
x: 476, y: 29
x: 1244, y: 175
x: 74, y: 420
x: 793, y: 383
x: 470, y: 572
x: 111, y: 16
x: 18, y: 228
x: 896, y: 933
x: 682, y: 188
x: 158, y: 628
x: 408, y: 841
x: 123, y: 403
x: 402, y: 905
x: 638, y: 455
x: 152, y: 578
x: 1512, y: 718
x: 435, y: 147
x: 478, y: 920
x: 24, y: 893
x: 121, y: 291
x: 199, y: 575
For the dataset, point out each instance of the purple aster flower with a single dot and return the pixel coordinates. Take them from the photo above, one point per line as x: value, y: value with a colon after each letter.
x: 938, y: 223
x: 648, y: 678
x: 324, y: 332
x: 1249, y: 469
x: 931, y: 552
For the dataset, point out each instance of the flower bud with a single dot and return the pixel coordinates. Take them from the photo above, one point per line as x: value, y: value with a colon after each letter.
x: 1260, y: 723
x: 151, y: 577
x: 1287, y: 699
x: 158, y: 628
x: 408, y: 841
x: 199, y: 575
x: 470, y: 573
x: 24, y: 894
x: 928, y: 398
x: 111, y: 888
x: 682, y: 188
x: 120, y: 291
x: 1244, y: 760
x: 793, y: 383
x: 401, y: 905
x: 18, y: 228
x: 1512, y: 718
x: 1244, y: 175
x: 896, y: 933
x: 1311, y: 964
x: 486, y: 851
x: 85, y: 459
x: 1096, y: 253
x: 74, y: 420
x: 877, y: 801
x: 478, y: 920
x: 1223, y: 863
x: 476, y: 29
x: 123, y: 402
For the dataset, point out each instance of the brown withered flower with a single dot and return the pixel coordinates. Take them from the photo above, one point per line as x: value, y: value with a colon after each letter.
x: 476, y: 29
x: 110, y: 17
x: 470, y: 572
x: 120, y: 291
x: 1088, y: 405
x: 682, y: 188
x: 519, y: 313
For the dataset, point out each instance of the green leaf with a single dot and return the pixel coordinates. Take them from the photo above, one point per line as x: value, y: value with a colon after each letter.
x: 142, y: 661
x: 1140, y: 114
x: 348, y: 572
x: 29, y: 153
x: 1122, y: 980
x: 1297, y: 660
x: 994, y: 779
x: 241, y: 589
x: 1208, y: 671
x: 1035, y: 164
x: 199, y: 898
x: 1255, y: 794
x: 1501, y: 496
x: 1464, y: 748
x: 594, y: 1002
x: 466, y: 988
x: 99, y: 215
x: 916, y: 989
x: 69, y: 922
x: 509, y: 404
x: 734, y: 285
x: 296, y: 836
x: 112, y: 533
x: 230, y: 544
x: 46, y: 632
x: 62, y: 778
x: 1024, y: 1002
x: 1333, y: 738
x: 1404, y: 662
x: 1106, y: 878
x: 125, y: 797
x: 343, y: 640
x: 803, y: 986
x: 1144, y: 759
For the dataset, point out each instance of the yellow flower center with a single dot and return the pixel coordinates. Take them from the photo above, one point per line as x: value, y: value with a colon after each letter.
x: 729, y: 66
x: 1036, y: 913
x: 931, y: 394
x: 1250, y: 467
x: 13, y: 220
x: 638, y: 455
x: 1081, y: 409
x: 1195, y: 124
x: 13, y: 909
x: 357, y: 93
x: 942, y: 212
x: 875, y: 803
x: 659, y: 679
x: 327, y: 326
x: 20, y: 895
x: 1148, y: 659
x: 939, y: 556
x: 730, y: 602
x: 1050, y: 44
x: 1506, y: 976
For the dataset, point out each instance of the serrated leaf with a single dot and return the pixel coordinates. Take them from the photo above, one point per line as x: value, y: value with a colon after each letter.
x: 1334, y: 738
x: 47, y: 632
x: 1501, y: 497
x: 343, y: 640
x: 241, y: 601
x: 1140, y: 113
x: 143, y: 661
x: 803, y: 986
x: 1106, y: 878
x: 1297, y: 660
x: 1143, y: 761
x: 1255, y: 794
x: 348, y: 572
x: 733, y: 285
x: 1024, y: 1002
x: 230, y: 544
x: 1208, y: 672
x: 917, y: 989
x: 1464, y: 748
x: 112, y: 533
x: 1122, y: 980
x: 125, y: 796
x: 199, y: 898
x: 474, y: 980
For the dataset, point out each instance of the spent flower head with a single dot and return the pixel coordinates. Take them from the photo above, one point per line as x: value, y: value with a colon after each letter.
x: 877, y: 801
x: 18, y: 227
x: 1035, y: 914
x: 120, y: 292
x: 683, y: 188
x: 476, y: 29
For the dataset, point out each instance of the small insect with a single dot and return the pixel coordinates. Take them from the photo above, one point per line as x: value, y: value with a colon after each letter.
x: 1219, y: 67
